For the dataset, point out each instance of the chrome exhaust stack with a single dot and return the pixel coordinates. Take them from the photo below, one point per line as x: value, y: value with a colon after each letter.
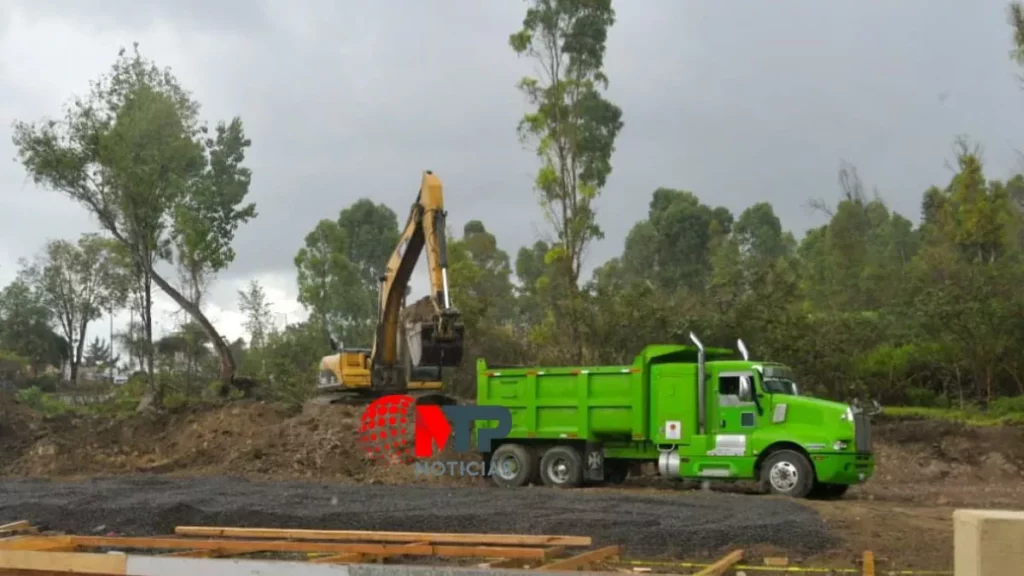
x: 701, y: 398
x: 743, y: 349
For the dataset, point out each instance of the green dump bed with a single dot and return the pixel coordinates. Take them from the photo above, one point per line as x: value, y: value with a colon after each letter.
x: 593, y: 403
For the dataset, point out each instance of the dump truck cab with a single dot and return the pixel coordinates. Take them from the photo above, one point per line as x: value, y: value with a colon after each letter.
x: 758, y: 426
x: 698, y: 413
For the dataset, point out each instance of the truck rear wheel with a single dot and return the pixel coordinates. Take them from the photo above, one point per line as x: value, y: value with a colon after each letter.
x: 787, y: 473
x: 562, y: 467
x: 512, y: 466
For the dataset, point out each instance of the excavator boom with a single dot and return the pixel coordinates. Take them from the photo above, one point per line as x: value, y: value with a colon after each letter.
x: 434, y: 342
x: 408, y: 354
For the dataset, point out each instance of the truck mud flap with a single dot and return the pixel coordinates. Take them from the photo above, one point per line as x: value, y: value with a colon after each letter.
x: 593, y: 459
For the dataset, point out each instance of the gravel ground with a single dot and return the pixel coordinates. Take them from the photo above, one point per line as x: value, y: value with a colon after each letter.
x: 648, y: 525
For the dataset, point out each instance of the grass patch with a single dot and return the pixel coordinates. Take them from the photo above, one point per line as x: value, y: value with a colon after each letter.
x: 971, y: 416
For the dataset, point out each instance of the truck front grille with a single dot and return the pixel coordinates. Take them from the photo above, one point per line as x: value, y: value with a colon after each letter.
x: 862, y: 433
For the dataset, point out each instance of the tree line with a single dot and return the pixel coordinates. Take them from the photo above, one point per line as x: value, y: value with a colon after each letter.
x: 868, y: 304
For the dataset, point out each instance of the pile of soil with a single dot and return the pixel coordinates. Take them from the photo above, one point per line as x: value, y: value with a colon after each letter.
x: 929, y: 462
x: 947, y: 463
x: 250, y: 439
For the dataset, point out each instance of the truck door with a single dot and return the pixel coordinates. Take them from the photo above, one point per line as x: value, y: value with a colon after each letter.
x: 674, y: 412
x: 736, y: 414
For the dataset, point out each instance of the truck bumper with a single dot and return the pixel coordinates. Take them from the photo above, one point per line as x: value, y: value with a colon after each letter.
x: 843, y: 468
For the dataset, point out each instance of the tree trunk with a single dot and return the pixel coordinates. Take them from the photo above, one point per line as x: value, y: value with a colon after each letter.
x: 227, y: 361
x: 157, y: 400
x: 76, y: 358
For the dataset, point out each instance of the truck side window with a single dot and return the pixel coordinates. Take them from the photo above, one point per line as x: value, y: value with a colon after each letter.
x: 730, y: 392
x: 729, y: 386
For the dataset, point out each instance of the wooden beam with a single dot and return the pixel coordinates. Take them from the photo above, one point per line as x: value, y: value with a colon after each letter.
x: 17, y: 527
x: 553, y: 552
x: 583, y: 559
x: 52, y: 543
x: 397, y: 551
x: 289, y: 546
x: 371, y: 536
x: 722, y: 564
x: 868, y: 563
x: 515, y: 563
x: 68, y: 562
x: 338, y: 559
x: 215, y: 553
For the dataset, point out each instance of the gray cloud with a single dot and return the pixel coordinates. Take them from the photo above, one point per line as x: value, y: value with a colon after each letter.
x: 738, y: 102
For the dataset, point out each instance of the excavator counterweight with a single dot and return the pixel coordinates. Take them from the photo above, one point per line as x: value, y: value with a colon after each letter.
x: 411, y: 345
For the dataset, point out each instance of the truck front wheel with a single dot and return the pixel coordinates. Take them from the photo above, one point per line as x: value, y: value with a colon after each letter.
x: 787, y: 473
x: 512, y: 466
x: 562, y: 467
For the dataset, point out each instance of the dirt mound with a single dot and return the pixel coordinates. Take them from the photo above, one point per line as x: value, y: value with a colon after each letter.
x: 251, y: 439
x: 20, y: 427
x: 421, y: 310
x: 922, y: 461
x: 947, y: 463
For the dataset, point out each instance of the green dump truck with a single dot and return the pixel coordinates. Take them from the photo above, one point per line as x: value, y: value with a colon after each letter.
x: 745, y: 421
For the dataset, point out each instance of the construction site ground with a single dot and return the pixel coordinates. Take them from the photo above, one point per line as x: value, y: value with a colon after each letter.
x: 255, y: 464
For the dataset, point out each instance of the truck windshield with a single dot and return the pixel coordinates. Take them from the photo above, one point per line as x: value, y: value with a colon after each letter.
x: 779, y: 379
x: 780, y: 386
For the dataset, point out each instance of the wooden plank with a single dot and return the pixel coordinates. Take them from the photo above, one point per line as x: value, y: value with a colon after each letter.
x: 868, y: 564
x: 722, y: 564
x: 17, y: 527
x: 397, y: 551
x: 371, y: 536
x: 514, y: 563
x: 338, y: 559
x: 216, y: 553
x: 553, y: 552
x: 52, y: 543
x: 70, y: 562
x: 291, y: 546
x: 579, y: 560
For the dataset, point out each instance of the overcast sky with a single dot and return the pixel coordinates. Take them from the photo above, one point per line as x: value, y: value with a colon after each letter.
x: 739, y: 102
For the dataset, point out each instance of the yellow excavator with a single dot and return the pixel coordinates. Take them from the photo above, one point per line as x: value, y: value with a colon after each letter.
x: 410, y: 346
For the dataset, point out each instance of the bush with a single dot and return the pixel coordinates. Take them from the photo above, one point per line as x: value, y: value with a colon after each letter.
x: 922, y: 397
x: 1008, y: 406
x: 42, y: 402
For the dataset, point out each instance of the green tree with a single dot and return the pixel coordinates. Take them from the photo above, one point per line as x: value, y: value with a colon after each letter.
x: 573, y: 127
x: 372, y: 234
x: 25, y: 328
x: 77, y: 283
x: 258, y: 318
x: 330, y: 285
x: 99, y: 353
x: 673, y: 246
x: 135, y: 154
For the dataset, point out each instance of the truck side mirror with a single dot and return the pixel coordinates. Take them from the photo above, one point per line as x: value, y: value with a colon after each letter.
x: 746, y: 392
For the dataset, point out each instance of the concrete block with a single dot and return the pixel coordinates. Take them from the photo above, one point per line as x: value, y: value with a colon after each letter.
x: 988, y: 542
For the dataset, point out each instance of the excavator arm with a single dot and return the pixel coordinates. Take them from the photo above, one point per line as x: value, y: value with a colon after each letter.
x: 436, y: 342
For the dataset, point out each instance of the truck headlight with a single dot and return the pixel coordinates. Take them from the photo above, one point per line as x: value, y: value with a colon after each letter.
x: 848, y: 415
x: 839, y: 446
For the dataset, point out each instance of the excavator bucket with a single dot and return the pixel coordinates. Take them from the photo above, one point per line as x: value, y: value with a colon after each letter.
x: 428, y: 347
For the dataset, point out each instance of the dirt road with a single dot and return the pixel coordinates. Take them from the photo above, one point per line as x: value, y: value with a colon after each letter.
x: 648, y: 524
